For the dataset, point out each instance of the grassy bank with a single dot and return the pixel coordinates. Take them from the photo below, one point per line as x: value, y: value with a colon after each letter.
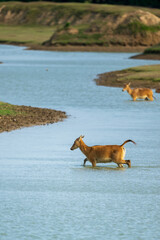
x: 14, y: 117
x: 142, y: 76
x: 35, y: 10
x: 89, y: 24
x: 25, y: 34
x: 153, y: 50
x: 150, y: 53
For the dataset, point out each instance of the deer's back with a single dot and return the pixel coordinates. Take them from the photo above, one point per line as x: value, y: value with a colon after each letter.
x: 105, y: 151
x: 142, y: 91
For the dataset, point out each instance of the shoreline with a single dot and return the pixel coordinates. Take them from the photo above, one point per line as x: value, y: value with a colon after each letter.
x: 16, y: 117
x: 121, y: 77
x: 96, y: 48
x: 147, y: 56
x: 93, y: 48
x: 82, y: 48
x: 78, y: 48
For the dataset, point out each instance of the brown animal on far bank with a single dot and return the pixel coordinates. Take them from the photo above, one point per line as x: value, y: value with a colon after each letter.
x: 102, y: 153
x: 139, y: 93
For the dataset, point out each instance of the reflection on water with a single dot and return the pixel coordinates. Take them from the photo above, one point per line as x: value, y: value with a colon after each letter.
x: 111, y: 168
x: 45, y: 192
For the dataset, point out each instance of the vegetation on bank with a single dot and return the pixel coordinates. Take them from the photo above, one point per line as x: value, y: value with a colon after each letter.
x: 88, y: 24
x: 34, y: 11
x: 146, y: 3
x: 141, y: 76
x: 18, y: 34
x: 82, y: 37
x: 8, y: 109
x: 137, y: 27
x: 146, y: 73
x: 153, y: 50
x: 150, y: 53
x: 13, y: 117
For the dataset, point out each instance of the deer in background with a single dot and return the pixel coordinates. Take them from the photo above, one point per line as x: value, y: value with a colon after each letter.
x: 102, y: 153
x: 139, y: 93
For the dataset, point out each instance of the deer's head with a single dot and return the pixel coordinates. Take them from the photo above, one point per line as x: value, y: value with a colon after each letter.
x: 76, y: 143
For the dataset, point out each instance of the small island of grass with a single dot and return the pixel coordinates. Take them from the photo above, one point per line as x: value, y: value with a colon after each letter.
x: 14, y: 117
x: 142, y: 76
x: 150, y: 53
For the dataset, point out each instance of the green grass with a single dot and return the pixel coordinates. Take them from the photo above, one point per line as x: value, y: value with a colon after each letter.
x: 25, y: 34
x: 80, y: 38
x: 72, y: 7
x: 29, y: 30
x: 153, y: 50
x: 7, y: 109
x: 136, y: 27
x: 149, y: 73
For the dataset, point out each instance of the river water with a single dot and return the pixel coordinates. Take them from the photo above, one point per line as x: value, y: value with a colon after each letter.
x: 45, y: 192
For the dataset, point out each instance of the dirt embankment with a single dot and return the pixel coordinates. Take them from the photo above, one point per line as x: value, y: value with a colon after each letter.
x: 83, y: 25
x: 135, y: 29
x: 24, y: 116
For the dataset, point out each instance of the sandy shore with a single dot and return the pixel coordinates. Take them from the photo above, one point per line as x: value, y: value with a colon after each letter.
x: 29, y: 116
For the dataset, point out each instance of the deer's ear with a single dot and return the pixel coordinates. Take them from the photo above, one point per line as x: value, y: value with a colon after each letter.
x: 129, y: 83
x: 81, y: 137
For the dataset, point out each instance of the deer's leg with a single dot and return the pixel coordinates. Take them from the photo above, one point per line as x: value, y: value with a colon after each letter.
x: 93, y: 161
x: 121, y: 161
x: 85, y: 160
x: 151, y: 98
x: 117, y: 157
x: 120, y: 165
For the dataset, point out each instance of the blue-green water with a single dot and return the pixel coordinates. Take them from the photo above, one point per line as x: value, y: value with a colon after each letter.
x: 45, y: 192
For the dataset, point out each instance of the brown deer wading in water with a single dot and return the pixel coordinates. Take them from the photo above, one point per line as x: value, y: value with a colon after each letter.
x: 102, y: 153
x: 139, y: 93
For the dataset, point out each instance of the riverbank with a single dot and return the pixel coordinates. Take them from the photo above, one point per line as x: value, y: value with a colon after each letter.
x: 83, y: 48
x: 147, y: 56
x: 13, y: 117
x: 77, y: 48
x: 152, y: 53
x: 79, y: 27
x: 96, y: 48
x: 142, y: 76
x: 93, y: 48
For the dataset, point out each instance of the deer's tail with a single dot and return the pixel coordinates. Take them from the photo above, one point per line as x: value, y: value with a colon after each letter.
x: 127, y: 142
